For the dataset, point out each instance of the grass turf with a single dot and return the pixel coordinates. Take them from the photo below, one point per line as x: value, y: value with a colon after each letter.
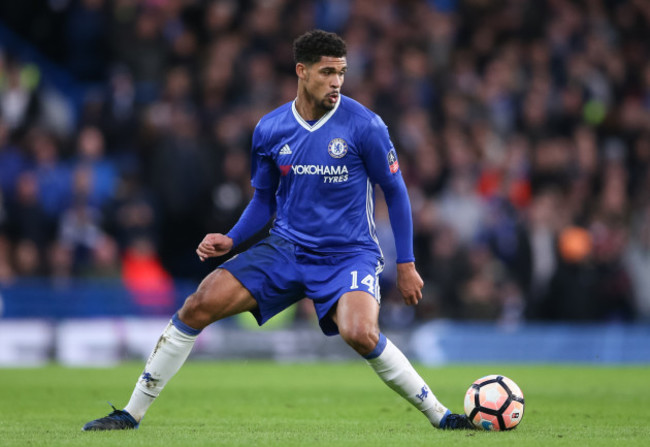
x: 319, y: 404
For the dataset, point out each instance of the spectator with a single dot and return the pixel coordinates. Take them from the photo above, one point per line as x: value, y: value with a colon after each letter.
x: 146, y: 55
x: 180, y: 176
x: 145, y: 277
x: 13, y: 162
x: 86, y: 44
x: 99, y: 171
x: 637, y: 261
x: 27, y: 219
x: 7, y: 273
x: 19, y: 100
x: 27, y: 259
x: 54, y: 178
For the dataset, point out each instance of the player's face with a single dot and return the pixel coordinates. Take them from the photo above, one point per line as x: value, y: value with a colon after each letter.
x: 322, y: 81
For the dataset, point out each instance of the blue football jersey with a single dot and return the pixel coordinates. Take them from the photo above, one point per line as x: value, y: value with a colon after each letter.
x: 324, y: 174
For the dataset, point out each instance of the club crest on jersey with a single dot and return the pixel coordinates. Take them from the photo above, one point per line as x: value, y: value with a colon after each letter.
x: 337, y: 148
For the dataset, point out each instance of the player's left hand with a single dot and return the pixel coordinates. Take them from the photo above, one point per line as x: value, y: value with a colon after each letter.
x: 409, y: 283
x: 213, y: 245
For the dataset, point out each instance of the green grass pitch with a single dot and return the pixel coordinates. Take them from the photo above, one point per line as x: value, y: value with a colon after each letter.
x: 251, y: 403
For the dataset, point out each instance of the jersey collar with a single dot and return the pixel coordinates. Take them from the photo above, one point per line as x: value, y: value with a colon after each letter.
x: 318, y: 124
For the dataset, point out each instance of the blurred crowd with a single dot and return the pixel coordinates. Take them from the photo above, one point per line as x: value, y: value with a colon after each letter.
x: 522, y: 127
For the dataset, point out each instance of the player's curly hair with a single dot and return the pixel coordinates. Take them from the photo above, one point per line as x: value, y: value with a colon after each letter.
x: 311, y: 46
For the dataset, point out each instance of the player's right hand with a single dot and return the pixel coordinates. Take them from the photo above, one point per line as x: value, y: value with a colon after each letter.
x: 409, y: 283
x: 213, y: 245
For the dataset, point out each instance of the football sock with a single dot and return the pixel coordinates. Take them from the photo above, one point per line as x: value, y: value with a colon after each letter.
x: 397, y: 372
x: 171, y: 351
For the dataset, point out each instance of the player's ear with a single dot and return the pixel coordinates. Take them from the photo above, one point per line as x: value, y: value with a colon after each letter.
x: 301, y: 70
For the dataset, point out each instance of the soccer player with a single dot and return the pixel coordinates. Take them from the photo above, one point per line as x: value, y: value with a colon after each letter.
x: 315, y: 162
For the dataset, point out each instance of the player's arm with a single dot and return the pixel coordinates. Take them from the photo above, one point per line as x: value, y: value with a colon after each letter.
x: 409, y: 281
x: 256, y: 215
x: 383, y: 169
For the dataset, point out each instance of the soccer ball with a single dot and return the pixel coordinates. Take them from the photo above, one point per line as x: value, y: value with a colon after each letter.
x: 494, y: 403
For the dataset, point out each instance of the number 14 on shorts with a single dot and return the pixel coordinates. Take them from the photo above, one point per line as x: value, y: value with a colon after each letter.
x: 368, y: 281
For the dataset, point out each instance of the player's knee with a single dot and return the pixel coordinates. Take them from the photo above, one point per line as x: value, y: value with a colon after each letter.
x: 362, y: 339
x: 195, y: 311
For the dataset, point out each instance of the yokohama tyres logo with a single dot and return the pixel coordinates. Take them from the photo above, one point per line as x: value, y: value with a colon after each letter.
x: 330, y: 174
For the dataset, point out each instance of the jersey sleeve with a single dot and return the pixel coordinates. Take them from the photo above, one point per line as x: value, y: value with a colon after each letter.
x: 379, y: 154
x: 264, y: 172
x: 256, y: 215
x: 381, y: 162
